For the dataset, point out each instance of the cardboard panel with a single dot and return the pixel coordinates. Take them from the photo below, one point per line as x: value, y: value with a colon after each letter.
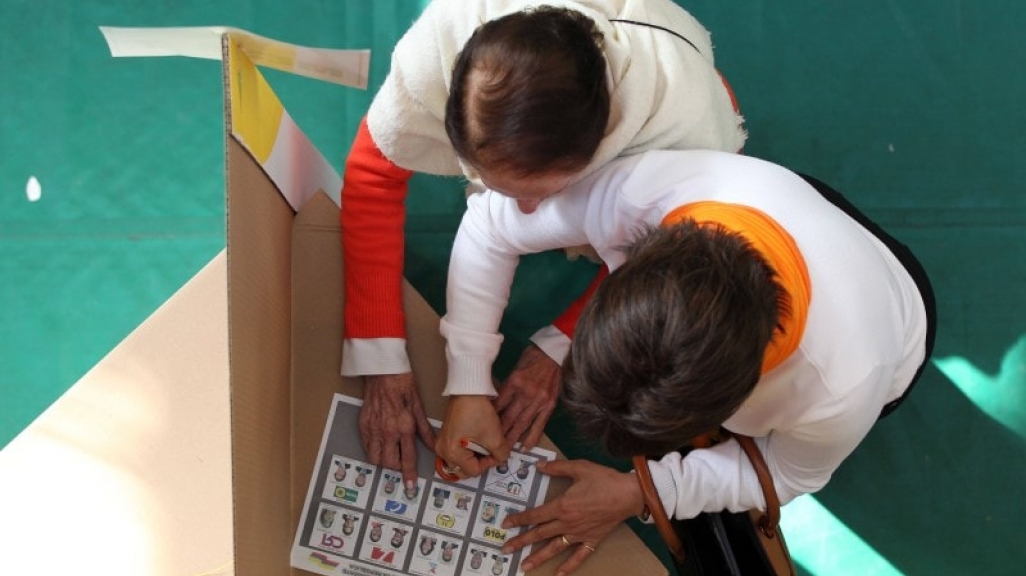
x: 259, y: 230
x: 316, y: 336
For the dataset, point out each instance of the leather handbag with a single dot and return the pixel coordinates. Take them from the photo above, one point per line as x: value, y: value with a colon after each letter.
x: 735, y: 543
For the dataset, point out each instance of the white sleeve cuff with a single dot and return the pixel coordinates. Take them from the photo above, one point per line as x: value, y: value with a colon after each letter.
x: 665, y: 485
x: 552, y: 342
x: 469, y: 376
x: 372, y: 356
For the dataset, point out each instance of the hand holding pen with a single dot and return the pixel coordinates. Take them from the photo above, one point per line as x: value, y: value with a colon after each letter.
x: 471, y: 439
x: 452, y: 473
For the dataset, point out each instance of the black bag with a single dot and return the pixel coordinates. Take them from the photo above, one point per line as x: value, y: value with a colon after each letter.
x: 724, y: 543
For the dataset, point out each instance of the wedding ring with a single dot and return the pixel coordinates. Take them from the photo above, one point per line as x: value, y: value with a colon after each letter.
x: 566, y: 541
x: 451, y: 470
x: 588, y: 546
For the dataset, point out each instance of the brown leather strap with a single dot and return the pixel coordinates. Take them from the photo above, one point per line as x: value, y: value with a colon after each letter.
x: 771, y: 519
x: 655, y: 507
x: 768, y: 522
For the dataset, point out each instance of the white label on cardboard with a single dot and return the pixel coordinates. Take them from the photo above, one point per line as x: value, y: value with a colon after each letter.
x: 345, y: 67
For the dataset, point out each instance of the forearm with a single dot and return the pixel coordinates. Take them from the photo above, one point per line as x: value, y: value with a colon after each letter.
x: 706, y: 480
x: 722, y: 478
x: 372, y: 218
x: 476, y: 296
x: 492, y: 236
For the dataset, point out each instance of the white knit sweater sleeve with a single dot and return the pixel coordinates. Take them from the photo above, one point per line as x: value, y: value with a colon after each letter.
x: 492, y: 236
x: 801, y: 458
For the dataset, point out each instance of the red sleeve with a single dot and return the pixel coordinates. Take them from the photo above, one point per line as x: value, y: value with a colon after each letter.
x: 730, y: 92
x: 567, y: 321
x: 733, y: 100
x: 372, y: 216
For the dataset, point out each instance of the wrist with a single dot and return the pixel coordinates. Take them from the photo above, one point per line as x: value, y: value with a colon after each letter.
x: 635, y: 499
x: 645, y: 497
x: 468, y: 407
x: 374, y: 356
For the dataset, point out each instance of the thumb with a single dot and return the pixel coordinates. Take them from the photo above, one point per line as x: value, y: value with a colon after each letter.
x: 560, y: 468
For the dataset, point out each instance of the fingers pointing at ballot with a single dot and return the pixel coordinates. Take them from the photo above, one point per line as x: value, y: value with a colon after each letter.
x: 598, y: 500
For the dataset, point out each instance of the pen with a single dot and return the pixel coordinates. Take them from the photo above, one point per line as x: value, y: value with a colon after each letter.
x: 474, y: 447
x: 451, y: 473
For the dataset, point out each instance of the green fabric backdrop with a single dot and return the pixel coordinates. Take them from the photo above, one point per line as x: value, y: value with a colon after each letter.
x: 910, y: 108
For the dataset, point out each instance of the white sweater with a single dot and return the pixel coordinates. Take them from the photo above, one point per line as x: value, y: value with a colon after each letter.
x: 863, y: 339
x: 665, y: 94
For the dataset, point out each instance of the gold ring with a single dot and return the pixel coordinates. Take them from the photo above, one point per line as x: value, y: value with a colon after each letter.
x: 588, y: 546
x: 566, y: 541
x: 455, y: 469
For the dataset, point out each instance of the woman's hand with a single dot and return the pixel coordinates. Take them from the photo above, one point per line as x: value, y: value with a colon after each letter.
x: 528, y: 397
x: 391, y: 418
x: 471, y: 418
x: 599, y: 499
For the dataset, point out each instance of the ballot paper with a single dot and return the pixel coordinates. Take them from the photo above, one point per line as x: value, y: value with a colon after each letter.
x: 358, y: 519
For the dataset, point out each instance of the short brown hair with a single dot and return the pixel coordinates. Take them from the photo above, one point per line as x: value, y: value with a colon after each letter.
x: 538, y: 101
x: 672, y: 342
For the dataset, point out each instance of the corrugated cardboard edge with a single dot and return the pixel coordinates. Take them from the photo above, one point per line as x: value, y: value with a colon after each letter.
x: 259, y: 318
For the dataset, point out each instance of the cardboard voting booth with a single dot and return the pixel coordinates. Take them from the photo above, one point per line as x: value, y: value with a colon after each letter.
x: 189, y: 448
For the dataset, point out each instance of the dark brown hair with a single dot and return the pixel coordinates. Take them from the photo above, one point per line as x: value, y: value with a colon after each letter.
x: 529, y: 93
x: 672, y: 342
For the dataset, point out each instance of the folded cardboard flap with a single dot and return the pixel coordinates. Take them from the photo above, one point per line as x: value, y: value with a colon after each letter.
x: 259, y: 238
x: 316, y: 342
